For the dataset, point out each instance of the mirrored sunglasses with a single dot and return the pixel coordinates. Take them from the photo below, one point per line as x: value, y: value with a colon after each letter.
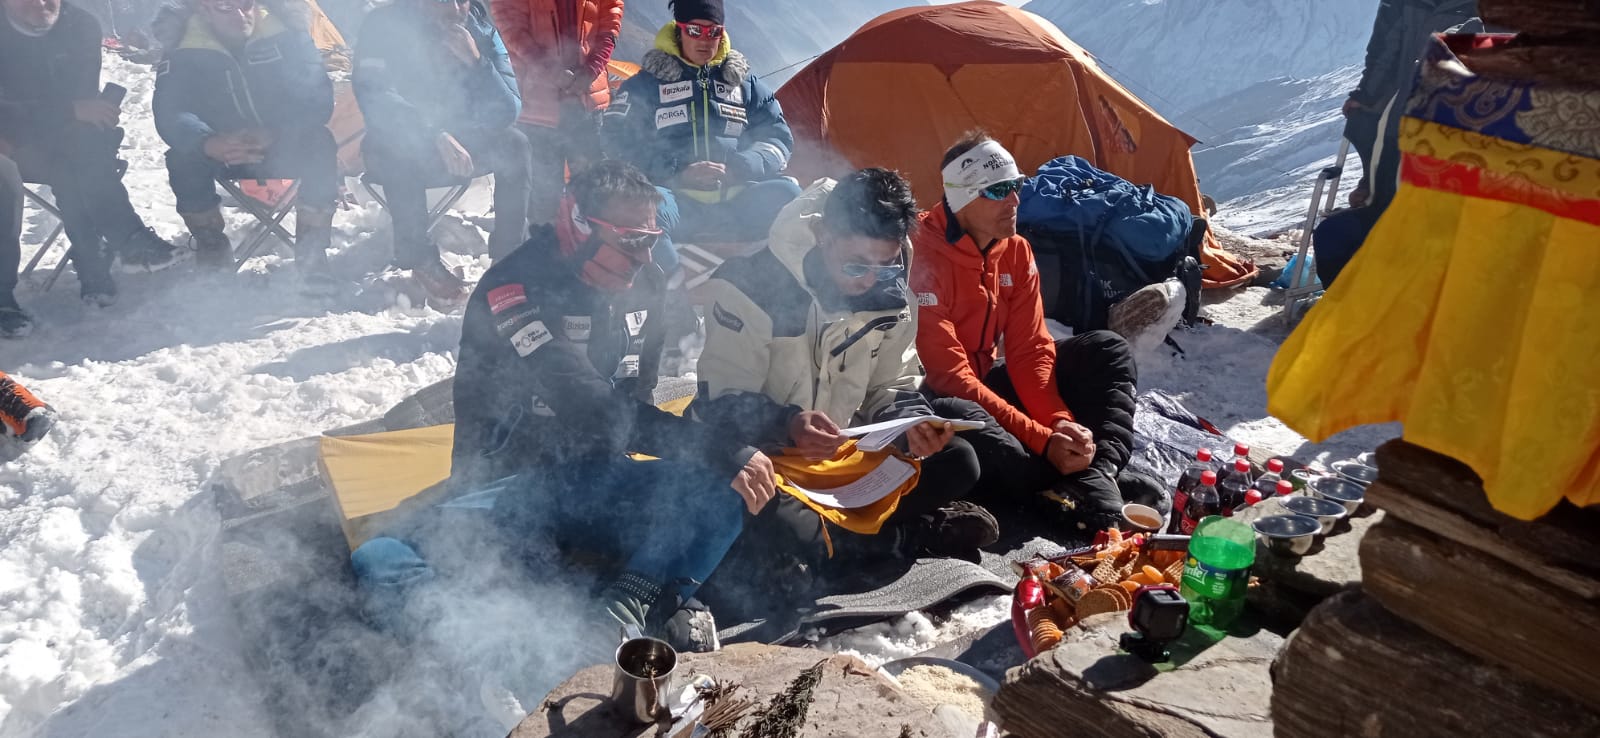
x: 880, y: 272
x: 1003, y: 190
x: 697, y: 30
x: 633, y: 239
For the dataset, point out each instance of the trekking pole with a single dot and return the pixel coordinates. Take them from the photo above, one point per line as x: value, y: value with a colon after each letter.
x: 1333, y: 188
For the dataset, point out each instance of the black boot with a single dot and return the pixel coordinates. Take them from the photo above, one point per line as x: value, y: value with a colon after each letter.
x: 212, y: 249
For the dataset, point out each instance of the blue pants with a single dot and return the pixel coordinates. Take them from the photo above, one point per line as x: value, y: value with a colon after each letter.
x: 745, y: 217
x: 666, y: 521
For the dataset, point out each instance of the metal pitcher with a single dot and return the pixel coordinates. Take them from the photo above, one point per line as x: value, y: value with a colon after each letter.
x: 642, y: 682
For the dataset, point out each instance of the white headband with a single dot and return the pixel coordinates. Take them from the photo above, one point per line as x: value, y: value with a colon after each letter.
x: 986, y: 165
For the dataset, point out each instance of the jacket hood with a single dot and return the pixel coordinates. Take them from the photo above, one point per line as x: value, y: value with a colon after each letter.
x: 956, y: 244
x: 666, y: 63
x: 793, y: 240
x: 197, y: 34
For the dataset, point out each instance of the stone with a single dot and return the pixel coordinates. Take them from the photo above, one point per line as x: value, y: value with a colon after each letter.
x: 1088, y: 687
x: 1332, y: 565
x: 1487, y: 607
x: 1356, y: 669
x: 852, y: 699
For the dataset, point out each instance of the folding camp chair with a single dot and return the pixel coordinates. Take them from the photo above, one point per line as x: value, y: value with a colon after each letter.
x: 45, y: 204
x: 457, y: 189
x: 1303, y: 284
x: 269, y: 218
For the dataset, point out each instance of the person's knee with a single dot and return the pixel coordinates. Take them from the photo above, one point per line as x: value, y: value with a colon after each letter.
x: 385, y: 561
x: 1099, y: 351
x: 958, y: 467
x: 515, y: 154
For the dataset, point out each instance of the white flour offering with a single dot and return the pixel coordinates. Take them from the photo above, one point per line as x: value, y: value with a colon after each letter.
x: 938, y: 685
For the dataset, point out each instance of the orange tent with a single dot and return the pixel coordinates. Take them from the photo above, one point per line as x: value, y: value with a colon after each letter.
x: 900, y: 89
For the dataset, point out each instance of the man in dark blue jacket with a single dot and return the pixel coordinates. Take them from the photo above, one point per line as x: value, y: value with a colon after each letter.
x: 701, y: 126
x: 436, y: 88
x: 244, y: 95
x: 63, y: 133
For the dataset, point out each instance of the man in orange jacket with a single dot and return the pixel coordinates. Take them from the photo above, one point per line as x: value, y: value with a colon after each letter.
x: 559, y: 49
x: 1067, y: 406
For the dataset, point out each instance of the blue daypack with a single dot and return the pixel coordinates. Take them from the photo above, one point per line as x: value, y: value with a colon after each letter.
x: 1099, y: 238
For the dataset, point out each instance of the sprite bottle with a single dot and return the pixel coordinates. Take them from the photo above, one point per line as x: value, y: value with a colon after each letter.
x: 1217, y: 571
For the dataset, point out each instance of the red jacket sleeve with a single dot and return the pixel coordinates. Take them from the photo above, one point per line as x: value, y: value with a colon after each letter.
x: 603, y: 36
x: 944, y: 359
x: 1030, y: 350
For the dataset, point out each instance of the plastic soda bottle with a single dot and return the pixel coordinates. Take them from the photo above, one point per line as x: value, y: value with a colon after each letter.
x: 1186, y: 484
x: 1267, y: 483
x: 1217, y: 571
x: 1233, y: 487
x: 1202, y: 502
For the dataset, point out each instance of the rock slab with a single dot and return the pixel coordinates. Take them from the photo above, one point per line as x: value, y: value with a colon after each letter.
x: 852, y: 699
x: 1088, y: 687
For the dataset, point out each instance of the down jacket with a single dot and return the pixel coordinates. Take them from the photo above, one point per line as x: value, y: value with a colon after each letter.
x: 549, y: 37
x: 779, y: 340
x: 673, y: 114
x: 276, y: 81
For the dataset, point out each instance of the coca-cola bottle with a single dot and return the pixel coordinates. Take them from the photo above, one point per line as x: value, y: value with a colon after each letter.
x: 1203, y: 501
x: 1240, y: 451
x: 1233, y: 487
x: 1186, y: 484
x: 1267, y: 484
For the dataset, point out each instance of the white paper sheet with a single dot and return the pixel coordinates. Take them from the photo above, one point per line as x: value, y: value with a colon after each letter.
x: 877, y: 436
x: 875, y: 485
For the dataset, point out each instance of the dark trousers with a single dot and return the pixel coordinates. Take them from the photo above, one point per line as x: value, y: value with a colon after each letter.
x: 80, y: 167
x: 1096, y: 376
x: 309, y: 155
x: 10, y: 230
x: 572, y: 145
x: 405, y: 166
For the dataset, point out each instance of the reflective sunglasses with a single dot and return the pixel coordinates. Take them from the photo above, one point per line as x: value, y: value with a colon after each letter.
x: 632, y: 239
x: 880, y: 272
x: 1003, y: 190
x: 696, y: 30
x: 230, y: 6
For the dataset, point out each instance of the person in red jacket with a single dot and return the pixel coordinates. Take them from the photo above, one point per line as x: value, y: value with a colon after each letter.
x: 559, y: 49
x: 1066, y: 406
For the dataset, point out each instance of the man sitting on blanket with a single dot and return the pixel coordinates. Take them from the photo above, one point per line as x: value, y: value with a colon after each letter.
x: 813, y: 334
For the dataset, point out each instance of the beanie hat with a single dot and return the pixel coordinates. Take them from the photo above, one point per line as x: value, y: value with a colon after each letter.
x: 684, y: 11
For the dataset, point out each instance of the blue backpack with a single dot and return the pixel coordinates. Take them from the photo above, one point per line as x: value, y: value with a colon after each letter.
x: 1098, y: 238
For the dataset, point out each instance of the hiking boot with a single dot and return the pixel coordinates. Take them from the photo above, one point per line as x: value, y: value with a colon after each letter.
x: 1145, y: 317
x: 15, y: 322
x: 97, y: 291
x: 441, y: 284
x: 23, y: 416
x: 313, y: 235
x: 691, y: 629
x: 144, y: 251
x: 212, y: 249
x: 956, y: 531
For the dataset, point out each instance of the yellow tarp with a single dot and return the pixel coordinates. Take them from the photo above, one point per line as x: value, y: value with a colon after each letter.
x: 373, y: 474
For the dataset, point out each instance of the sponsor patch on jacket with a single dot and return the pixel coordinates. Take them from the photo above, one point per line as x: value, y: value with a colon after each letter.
x: 1005, y: 280
x: 513, y: 321
x: 635, y: 321
x: 732, y: 112
x: 734, y: 128
x: 673, y: 116
x: 505, y: 297
x: 621, y: 98
x: 927, y: 299
x: 530, y: 338
x: 676, y: 91
x: 728, y: 320
x: 577, y: 328
x: 731, y: 93
x: 264, y: 55
x: 628, y: 368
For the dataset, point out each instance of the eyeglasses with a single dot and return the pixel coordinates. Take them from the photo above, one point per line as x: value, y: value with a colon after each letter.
x: 1003, y: 190
x: 879, y: 272
x: 230, y: 6
x: 632, y: 239
x: 696, y: 30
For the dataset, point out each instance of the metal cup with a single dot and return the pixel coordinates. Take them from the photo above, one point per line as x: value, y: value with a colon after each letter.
x: 642, y: 682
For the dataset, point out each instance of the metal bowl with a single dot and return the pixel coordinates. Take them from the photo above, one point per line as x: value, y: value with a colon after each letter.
x: 1289, y: 535
x: 1342, y: 491
x: 1356, y: 471
x: 1327, y: 512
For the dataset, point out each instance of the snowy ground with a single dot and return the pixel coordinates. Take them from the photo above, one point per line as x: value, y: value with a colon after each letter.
x: 112, y: 615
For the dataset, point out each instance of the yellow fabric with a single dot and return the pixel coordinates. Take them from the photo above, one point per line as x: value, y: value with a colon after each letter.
x: 849, y: 465
x: 375, y: 473
x: 1472, y: 321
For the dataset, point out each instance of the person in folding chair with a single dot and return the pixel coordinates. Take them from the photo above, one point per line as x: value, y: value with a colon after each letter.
x: 435, y: 85
x: 813, y: 334
x: 63, y: 132
x: 244, y: 95
x: 707, y: 130
x: 543, y: 431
